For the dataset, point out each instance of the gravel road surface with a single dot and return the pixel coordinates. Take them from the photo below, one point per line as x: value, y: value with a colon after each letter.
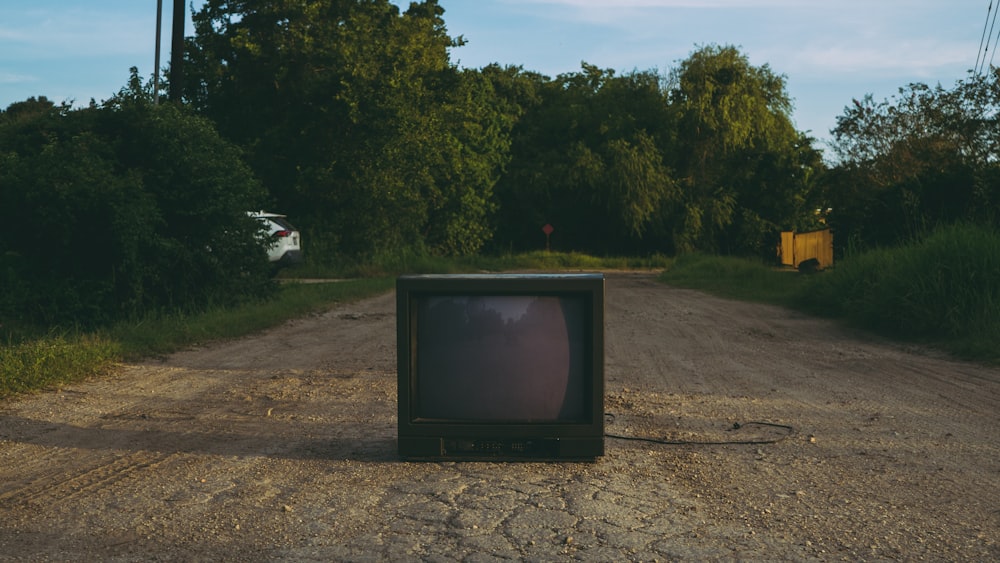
x: 787, y: 437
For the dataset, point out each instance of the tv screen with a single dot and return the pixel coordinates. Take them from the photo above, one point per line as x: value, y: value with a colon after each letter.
x: 507, y: 365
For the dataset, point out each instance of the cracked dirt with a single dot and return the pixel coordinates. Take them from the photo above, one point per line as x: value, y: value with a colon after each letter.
x: 281, y: 446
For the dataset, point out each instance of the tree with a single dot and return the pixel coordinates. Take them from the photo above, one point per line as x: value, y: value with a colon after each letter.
x: 925, y: 157
x: 779, y: 189
x: 587, y: 159
x: 736, y: 152
x: 27, y: 109
x: 123, y: 208
x: 354, y: 118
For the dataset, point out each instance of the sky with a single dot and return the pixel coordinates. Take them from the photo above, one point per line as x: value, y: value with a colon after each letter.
x: 830, y: 51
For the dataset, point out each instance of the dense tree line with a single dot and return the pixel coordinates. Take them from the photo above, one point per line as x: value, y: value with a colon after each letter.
x: 925, y: 158
x: 350, y: 116
x: 354, y: 117
x: 121, y: 208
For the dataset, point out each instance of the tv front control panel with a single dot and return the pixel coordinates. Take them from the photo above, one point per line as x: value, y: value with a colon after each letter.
x: 501, y: 448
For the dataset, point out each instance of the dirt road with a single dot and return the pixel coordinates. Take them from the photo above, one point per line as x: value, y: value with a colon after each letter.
x: 281, y: 447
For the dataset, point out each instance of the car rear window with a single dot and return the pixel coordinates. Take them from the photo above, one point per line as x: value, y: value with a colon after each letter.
x: 283, y: 223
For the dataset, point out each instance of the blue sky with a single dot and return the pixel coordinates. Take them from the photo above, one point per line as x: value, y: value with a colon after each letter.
x: 830, y: 51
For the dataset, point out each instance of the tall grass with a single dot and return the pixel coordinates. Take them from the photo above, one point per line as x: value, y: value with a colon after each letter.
x: 418, y: 261
x: 737, y: 278
x: 55, y: 359
x: 30, y: 363
x: 542, y: 260
x: 388, y: 263
x: 943, y: 288
x: 162, y: 334
x: 31, y: 360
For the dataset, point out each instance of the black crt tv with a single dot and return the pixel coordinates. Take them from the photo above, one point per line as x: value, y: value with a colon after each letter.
x: 500, y: 366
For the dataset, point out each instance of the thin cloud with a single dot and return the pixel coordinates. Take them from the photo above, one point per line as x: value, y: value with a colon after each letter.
x: 13, y: 78
x: 593, y: 7
x: 708, y: 4
x: 76, y: 33
x: 918, y: 57
x: 850, y: 36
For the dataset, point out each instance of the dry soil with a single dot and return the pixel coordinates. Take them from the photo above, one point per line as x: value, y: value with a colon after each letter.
x: 786, y: 437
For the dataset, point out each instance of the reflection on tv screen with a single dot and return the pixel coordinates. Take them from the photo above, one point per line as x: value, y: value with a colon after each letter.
x: 500, y: 358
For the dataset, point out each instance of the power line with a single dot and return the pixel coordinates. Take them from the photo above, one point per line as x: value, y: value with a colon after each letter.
x: 156, y: 64
x: 989, y: 36
x: 986, y: 24
x: 177, y: 52
x: 995, y: 41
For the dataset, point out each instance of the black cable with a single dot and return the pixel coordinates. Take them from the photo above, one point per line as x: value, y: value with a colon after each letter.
x: 790, y: 430
x: 995, y: 41
x: 985, y: 25
x: 988, y: 36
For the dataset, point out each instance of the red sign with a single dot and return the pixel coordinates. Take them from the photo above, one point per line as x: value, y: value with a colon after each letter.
x: 547, y: 229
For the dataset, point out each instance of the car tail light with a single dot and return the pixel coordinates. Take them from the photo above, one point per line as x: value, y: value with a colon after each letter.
x: 282, y: 234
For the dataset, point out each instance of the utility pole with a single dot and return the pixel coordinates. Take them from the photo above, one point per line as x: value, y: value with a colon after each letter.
x: 177, y: 53
x: 156, y: 64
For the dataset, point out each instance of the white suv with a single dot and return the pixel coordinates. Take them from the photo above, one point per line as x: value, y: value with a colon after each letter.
x: 286, y: 243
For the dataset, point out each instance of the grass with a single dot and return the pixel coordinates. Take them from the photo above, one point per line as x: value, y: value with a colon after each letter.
x: 414, y: 262
x: 736, y: 278
x: 54, y: 360
x: 942, y: 290
x: 31, y: 363
x: 162, y: 334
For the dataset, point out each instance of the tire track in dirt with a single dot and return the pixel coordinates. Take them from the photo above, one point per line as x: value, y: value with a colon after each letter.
x: 887, y: 435
x: 50, y: 483
x: 281, y: 446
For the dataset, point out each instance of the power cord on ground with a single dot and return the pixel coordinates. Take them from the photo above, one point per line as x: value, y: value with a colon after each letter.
x: 789, y: 431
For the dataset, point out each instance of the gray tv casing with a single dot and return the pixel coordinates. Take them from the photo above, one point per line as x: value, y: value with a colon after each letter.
x: 457, y: 439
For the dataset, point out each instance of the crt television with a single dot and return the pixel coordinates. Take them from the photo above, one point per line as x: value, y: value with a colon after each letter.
x: 500, y: 366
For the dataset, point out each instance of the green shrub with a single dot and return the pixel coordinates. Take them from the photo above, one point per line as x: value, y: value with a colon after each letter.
x: 946, y: 286
x: 738, y: 278
x: 35, y: 364
x: 943, y: 290
x: 120, y: 209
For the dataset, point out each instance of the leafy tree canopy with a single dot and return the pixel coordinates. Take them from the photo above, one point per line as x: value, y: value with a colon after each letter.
x: 122, y: 208
x: 735, y: 149
x: 586, y: 160
x: 706, y: 159
x: 925, y: 157
x: 354, y: 118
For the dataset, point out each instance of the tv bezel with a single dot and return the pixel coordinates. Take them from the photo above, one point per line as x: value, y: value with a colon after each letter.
x: 461, y: 439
